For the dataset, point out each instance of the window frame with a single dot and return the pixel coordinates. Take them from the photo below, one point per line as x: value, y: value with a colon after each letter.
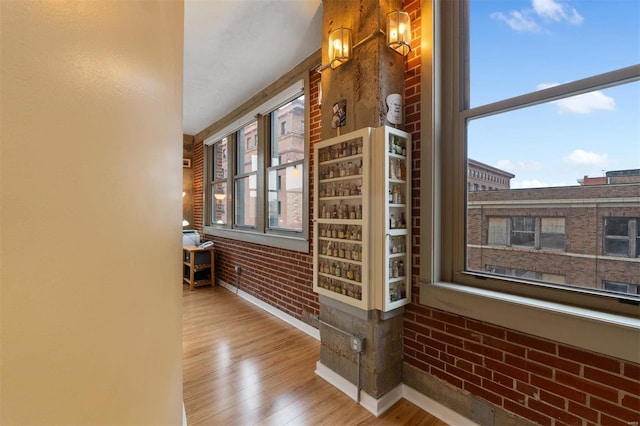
x: 296, y: 240
x: 632, y: 238
x: 275, y: 133
x: 444, y: 282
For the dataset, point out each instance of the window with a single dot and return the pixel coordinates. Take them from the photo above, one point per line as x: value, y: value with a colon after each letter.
x: 257, y: 186
x: 218, y: 182
x: 546, y: 233
x: 623, y: 288
x: 547, y: 128
x: 498, y: 231
x: 621, y: 236
x: 246, y: 178
x: 286, y: 171
x: 465, y: 40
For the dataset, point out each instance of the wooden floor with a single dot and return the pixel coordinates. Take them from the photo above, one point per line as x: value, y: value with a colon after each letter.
x: 243, y: 366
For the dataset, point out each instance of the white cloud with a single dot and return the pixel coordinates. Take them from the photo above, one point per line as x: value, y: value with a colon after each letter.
x: 556, y: 11
x: 517, y: 21
x: 580, y: 157
x: 518, y: 166
x: 534, y: 183
x: 526, y: 20
x: 582, y: 104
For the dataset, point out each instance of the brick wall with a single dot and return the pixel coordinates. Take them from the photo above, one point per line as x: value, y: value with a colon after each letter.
x: 546, y: 382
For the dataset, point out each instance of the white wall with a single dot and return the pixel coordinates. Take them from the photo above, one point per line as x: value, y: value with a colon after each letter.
x: 90, y: 212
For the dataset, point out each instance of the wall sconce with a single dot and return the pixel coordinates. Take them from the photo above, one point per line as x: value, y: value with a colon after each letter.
x: 339, y: 47
x: 399, y: 32
x: 219, y: 196
x: 398, y: 38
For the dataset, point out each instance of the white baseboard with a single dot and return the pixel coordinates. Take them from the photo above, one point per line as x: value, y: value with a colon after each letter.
x: 311, y: 331
x: 184, y: 415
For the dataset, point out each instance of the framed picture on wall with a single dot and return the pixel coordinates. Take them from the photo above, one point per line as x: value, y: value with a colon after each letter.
x: 186, y: 162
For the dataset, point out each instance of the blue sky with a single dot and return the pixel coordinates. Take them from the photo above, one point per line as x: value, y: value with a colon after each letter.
x: 519, y: 46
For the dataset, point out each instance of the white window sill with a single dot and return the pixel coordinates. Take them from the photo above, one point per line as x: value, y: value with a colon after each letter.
x: 609, y: 334
x: 285, y: 242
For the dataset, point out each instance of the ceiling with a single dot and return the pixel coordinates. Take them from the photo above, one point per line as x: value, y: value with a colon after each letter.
x: 235, y: 48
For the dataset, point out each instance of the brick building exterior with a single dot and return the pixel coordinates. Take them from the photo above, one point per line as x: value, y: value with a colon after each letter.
x: 584, y: 236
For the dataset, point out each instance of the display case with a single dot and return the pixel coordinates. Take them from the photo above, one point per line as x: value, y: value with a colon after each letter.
x: 362, y: 216
x: 391, y: 221
x: 341, y: 191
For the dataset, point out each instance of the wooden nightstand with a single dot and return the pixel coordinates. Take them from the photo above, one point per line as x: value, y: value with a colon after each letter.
x: 198, y: 266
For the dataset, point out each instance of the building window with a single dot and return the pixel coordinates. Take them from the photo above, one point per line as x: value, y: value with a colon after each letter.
x: 621, y: 236
x: 498, y: 231
x: 265, y: 173
x: 623, y: 288
x: 546, y: 233
x: 552, y: 233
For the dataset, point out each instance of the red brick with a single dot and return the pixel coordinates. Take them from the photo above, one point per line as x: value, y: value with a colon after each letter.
x: 466, y: 355
x: 465, y: 365
x: 559, y: 389
x: 417, y: 328
x: 552, y: 399
x: 503, y: 346
x: 483, y: 372
x: 448, y: 318
x: 532, y: 415
x: 463, y: 374
x: 614, y: 381
x: 430, y: 360
x: 448, y: 339
x: 531, y: 367
x: 615, y: 410
x: 554, y: 361
x: 632, y: 371
x: 610, y: 421
x: 503, y: 379
x: 484, y: 350
x: 455, y: 381
x: 595, y: 360
x: 483, y: 393
x: 463, y: 333
x: 587, y: 386
x: 631, y: 402
x: 556, y: 413
x: 508, y: 370
x: 489, y: 330
x: 526, y: 389
x: 583, y: 412
x: 432, y: 343
x: 503, y: 391
x: 531, y: 342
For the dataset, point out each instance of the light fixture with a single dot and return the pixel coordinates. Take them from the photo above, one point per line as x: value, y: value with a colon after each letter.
x: 398, y: 36
x: 339, y: 47
x: 399, y: 32
x: 185, y: 222
x: 219, y: 196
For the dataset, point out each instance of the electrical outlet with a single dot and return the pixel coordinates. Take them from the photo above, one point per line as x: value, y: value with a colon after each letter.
x: 357, y: 343
x: 238, y: 270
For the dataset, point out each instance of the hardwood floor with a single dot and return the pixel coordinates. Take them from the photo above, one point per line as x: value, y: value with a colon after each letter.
x: 243, y: 366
